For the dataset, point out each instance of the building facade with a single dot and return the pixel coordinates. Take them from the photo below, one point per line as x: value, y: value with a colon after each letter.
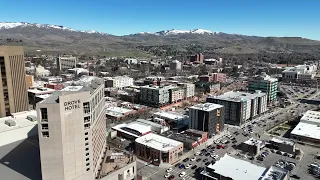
x: 240, y: 107
x: 207, y: 117
x: 72, y: 132
x: 158, y: 149
x: 66, y: 62
x: 29, y: 81
x: 13, y: 92
x: 175, y: 65
x: 265, y: 84
x: 119, y: 82
x: 198, y: 58
x: 155, y: 95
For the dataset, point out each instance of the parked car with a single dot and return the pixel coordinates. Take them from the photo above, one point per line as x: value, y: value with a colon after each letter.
x: 194, y: 167
x: 207, y: 163
x: 186, y: 159
x: 205, y: 160
x: 169, y: 170
x: 167, y: 175
x: 177, y: 165
x: 188, y: 166
x: 171, y: 177
x: 198, y: 160
x: 182, y: 174
x: 193, y: 159
x: 182, y: 166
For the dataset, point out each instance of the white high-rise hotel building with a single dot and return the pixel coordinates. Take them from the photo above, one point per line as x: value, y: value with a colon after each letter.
x: 72, y: 132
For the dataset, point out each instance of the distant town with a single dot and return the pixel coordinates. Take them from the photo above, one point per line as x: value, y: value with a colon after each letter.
x: 68, y: 117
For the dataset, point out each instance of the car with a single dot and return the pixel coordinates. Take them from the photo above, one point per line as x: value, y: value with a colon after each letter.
x: 273, y: 150
x: 213, y: 162
x: 197, y: 153
x: 207, y: 154
x: 212, y: 151
x: 204, y: 150
x: 291, y: 155
x: 234, y: 141
x: 169, y: 170
x: 193, y: 159
x: 171, y: 177
x: 167, y: 175
x: 205, y: 160
x: 207, y: 163
x: 188, y: 166
x: 177, y: 165
x: 194, y: 167
x: 186, y: 159
x: 225, y: 146
x: 216, y: 156
x: 236, y: 133
x: 209, y: 147
x: 182, y: 174
x: 220, y: 146
x: 181, y: 166
x: 198, y: 160
x: 251, y: 158
x: 201, y: 154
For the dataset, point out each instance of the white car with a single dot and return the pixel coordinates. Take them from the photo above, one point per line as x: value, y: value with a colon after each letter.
x: 182, y: 174
x: 169, y: 170
x: 216, y: 156
x: 188, y: 166
x: 167, y: 175
x: 197, y: 153
x: 193, y: 159
x: 290, y: 155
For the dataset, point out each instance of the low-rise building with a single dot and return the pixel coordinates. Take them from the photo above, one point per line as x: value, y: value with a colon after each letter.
x: 275, y: 173
x: 240, y: 107
x: 35, y: 92
x: 207, y: 117
x: 175, y: 65
x: 230, y: 168
x: 158, y: 149
x: 118, y: 112
x: 132, y: 130
x: 174, y: 120
x: 301, y: 72
x: 66, y: 62
x: 265, y: 84
x: 283, y: 144
x: 41, y: 71
x: 190, y: 138
x: 252, y: 146
x: 119, y: 165
x: 308, y: 128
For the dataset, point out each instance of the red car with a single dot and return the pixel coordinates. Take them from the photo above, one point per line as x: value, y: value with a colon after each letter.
x: 171, y: 177
x: 220, y: 147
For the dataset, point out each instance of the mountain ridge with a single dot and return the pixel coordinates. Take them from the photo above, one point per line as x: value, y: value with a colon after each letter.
x: 61, y: 39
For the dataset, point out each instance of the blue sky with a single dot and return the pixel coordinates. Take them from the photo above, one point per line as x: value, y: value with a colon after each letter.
x: 119, y: 17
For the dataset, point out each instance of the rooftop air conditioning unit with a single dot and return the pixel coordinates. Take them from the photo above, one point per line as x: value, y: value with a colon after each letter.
x: 10, y: 122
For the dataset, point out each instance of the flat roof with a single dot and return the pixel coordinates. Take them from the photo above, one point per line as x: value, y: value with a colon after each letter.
x: 21, y: 160
x: 311, y: 117
x: 283, y: 141
x: 143, y: 121
x: 309, y: 125
x: 40, y: 90
x: 237, y: 169
x: 307, y: 130
x: 206, y: 106
x: 170, y: 116
x: 119, y: 128
x: 158, y: 142
x: 275, y: 173
x: 238, y: 96
x: 72, y: 88
x: 20, y: 119
x: 118, y: 110
x: 139, y: 127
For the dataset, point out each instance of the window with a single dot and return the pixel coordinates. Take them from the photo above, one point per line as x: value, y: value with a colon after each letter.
x: 87, y: 164
x: 86, y: 139
x: 45, y: 126
x: 88, y: 169
x: 87, y: 154
x: 86, y: 133
x: 87, y: 149
x: 45, y: 134
x: 44, y: 113
x: 87, y: 159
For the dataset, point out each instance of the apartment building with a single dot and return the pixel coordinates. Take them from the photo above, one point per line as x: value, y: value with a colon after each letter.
x: 240, y: 107
x: 13, y: 92
x: 207, y: 117
x: 198, y: 58
x: 66, y: 62
x: 265, y: 84
x: 213, y: 77
x: 155, y: 95
x: 72, y: 132
x: 176, y: 94
x: 189, y: 89
x: 175, y: 65
x: 119, y: 82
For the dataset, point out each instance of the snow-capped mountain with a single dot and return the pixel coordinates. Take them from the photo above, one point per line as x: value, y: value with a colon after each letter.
x: 178, y: 32
x: 11, y: 25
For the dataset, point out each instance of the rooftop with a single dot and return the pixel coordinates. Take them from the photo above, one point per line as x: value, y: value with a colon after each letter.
x: 238, y: 96
x: 206, y: 106
x: 170, y: 116
x: 158, y: 142
x: 41, y: 90
x: 21, y: 119
x: 275, y: 173
x: 265, y: 77
x: 157, y: 87
x: 125, y: 128
x: 283, y: 141
x: 309, y: 125
x: 237, y: 169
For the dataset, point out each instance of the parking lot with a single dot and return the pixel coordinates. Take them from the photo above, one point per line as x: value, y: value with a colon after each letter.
x: 297, y: 92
